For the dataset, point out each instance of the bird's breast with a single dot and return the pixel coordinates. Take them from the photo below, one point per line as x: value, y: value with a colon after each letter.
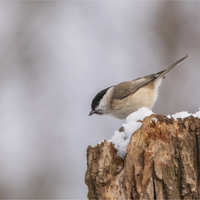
x: 144, y: 97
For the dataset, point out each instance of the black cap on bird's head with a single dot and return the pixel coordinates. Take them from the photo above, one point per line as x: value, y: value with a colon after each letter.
x: 96, y: 101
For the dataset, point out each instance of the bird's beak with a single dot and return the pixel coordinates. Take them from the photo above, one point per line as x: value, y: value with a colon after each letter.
x: 92, y: 112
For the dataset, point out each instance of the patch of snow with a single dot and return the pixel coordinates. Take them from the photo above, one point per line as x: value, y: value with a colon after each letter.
x: 122, y: 139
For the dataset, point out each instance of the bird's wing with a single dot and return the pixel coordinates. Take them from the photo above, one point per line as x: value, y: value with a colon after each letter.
x: 127, y: 88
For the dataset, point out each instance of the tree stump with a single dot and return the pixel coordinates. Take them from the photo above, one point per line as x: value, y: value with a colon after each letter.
x: 162, y: 162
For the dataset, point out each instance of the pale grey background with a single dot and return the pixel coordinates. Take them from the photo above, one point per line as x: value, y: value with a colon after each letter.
x: 55, y: 56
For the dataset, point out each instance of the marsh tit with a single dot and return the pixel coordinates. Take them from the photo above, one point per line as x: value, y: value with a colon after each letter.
x: 124, y: 98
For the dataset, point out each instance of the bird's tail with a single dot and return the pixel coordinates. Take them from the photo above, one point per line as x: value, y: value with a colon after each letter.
x: 171, y: 67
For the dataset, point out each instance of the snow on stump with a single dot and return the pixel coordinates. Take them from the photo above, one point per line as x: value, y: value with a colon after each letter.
x: 161, y: 162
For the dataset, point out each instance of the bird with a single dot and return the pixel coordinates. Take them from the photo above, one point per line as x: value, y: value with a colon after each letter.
x: 121, y: 100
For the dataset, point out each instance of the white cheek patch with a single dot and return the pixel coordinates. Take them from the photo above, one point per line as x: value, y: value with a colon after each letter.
x: 103, y: 105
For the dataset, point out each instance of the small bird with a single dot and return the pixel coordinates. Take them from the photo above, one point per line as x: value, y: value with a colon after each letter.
x: 127, y: 97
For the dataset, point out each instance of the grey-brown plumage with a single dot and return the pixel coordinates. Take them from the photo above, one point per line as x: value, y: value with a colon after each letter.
x: 121, y: 100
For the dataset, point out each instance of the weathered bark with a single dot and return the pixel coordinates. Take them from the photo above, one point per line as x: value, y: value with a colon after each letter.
x: 162, y: 162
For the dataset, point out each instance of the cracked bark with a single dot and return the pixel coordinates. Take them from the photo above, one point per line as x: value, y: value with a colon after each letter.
x: 162, y: 162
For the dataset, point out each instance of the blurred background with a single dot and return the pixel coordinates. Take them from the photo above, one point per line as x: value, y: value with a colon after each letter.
x: 56, y: 55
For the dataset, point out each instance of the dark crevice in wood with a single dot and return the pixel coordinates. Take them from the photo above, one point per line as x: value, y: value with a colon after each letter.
x: 198, y: 167
x: 154, y: 188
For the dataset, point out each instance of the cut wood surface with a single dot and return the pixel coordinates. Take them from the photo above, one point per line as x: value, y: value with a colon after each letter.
x: 162, y: 162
